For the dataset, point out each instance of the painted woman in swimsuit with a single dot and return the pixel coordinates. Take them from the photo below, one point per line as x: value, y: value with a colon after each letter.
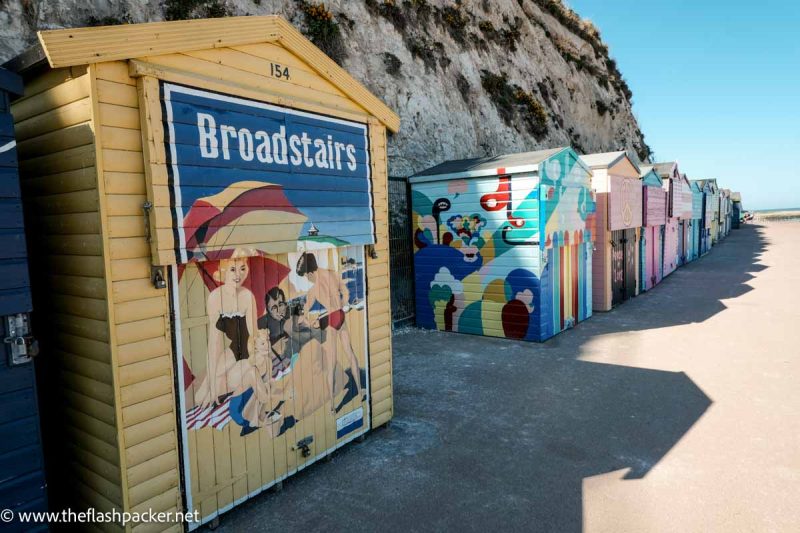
x: 234, y: 366
x: 330, y: 290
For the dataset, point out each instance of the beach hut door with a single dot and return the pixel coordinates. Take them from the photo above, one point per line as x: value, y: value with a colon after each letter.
x: 629, y: 241
x: 327, y: 303
x: 623, y: 265
x: 617, y: 266
x: 285, y: 335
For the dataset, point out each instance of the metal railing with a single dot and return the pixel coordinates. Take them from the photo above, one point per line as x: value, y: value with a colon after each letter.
x: 401, y: 252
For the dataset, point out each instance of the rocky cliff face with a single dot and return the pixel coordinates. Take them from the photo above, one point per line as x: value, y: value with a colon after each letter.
x: 468, y: 78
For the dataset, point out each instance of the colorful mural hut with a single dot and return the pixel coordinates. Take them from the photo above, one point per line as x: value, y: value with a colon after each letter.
x: 737, y: 211
x: 615, y: 272
x: 22, y: 478
x: 210, y: 199
x: 654, y: 218
x: 683, y: 208
x: 698, y: 222
x: 671, y: 178
x: 503, y: 245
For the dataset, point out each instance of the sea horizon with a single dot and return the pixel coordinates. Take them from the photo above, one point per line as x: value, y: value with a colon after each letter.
x: 776, y: 210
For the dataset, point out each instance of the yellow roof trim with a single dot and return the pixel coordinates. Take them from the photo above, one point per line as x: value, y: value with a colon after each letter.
x: 83, y: 46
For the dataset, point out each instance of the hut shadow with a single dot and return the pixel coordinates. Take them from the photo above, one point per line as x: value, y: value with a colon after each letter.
x: 488, y: 434
x: 693, y: 293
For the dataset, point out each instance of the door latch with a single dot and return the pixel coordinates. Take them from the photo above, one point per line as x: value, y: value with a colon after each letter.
x: 304, y: 446
x: 22, y: 345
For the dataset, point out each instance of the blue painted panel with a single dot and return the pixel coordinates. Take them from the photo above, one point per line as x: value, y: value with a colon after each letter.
x: 22, y: 489
x: 12, y: 243
x: 22, y: 481
x: 15, y: 274
x: 9, y: 183
x: 6, y: 125
x: 21, y: 462
x: 236, y: 163
x: 546, y: 328
x: 10, y: 82
x: 10, y: 213
x: 12, y: 301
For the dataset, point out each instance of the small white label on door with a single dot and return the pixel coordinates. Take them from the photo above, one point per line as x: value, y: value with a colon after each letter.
x: 349, y: 422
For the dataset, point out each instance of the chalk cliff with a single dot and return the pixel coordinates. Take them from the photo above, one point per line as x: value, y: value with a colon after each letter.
x: 468, y: 78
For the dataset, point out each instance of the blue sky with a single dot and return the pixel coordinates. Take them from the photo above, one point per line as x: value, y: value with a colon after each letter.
x: 716, y: 86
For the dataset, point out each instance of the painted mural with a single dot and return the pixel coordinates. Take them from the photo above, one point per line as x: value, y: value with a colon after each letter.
x: 506, y: 255
x: 269, y: 210
x: 247, y: 174
x: 624, y: 203
x: 279, y: 342
x: 274, y: 352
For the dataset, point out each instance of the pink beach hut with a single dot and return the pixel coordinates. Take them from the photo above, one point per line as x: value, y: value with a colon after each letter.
x: 670, y: 177
x: 654, y: 218
x: 615, y: 178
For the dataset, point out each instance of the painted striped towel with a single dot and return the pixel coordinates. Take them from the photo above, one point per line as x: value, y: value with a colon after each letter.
x: 216, y: 416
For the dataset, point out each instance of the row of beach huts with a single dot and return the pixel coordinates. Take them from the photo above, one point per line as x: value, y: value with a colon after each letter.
x: 203, y: 262
x: 526, y: 245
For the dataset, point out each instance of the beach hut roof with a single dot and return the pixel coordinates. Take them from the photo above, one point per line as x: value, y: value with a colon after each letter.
x: 603, y: 159
x: 649, y: 176
x: 489, y: 166
x: 710, y: 183
x: 666, y: 169
x: 83, y: 46
x: 606, y: 159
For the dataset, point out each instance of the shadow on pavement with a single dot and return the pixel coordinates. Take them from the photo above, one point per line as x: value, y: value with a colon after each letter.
x: 491, y: 434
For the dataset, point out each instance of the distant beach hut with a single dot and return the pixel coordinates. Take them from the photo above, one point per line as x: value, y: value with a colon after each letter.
x: 697, y: 222
x: 654, y: 218
x: 683, y: 210
x: 713, y: 189
x: 503, y: 245
x: 726, y: 211
x: 737, y: 210
x: 708, y: 213
x: 671, y: 178
x: 616, y: 181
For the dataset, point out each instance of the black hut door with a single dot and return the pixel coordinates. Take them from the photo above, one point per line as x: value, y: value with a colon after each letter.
x: 629, y: 246
x: 617, y: 267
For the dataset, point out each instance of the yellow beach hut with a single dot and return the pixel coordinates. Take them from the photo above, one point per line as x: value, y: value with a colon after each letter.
x: 208, y: 206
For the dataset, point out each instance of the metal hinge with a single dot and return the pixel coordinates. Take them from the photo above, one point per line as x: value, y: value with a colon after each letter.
x: 146, y: 207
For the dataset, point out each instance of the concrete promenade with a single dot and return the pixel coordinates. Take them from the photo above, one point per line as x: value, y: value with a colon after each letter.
x: 678, y: 411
